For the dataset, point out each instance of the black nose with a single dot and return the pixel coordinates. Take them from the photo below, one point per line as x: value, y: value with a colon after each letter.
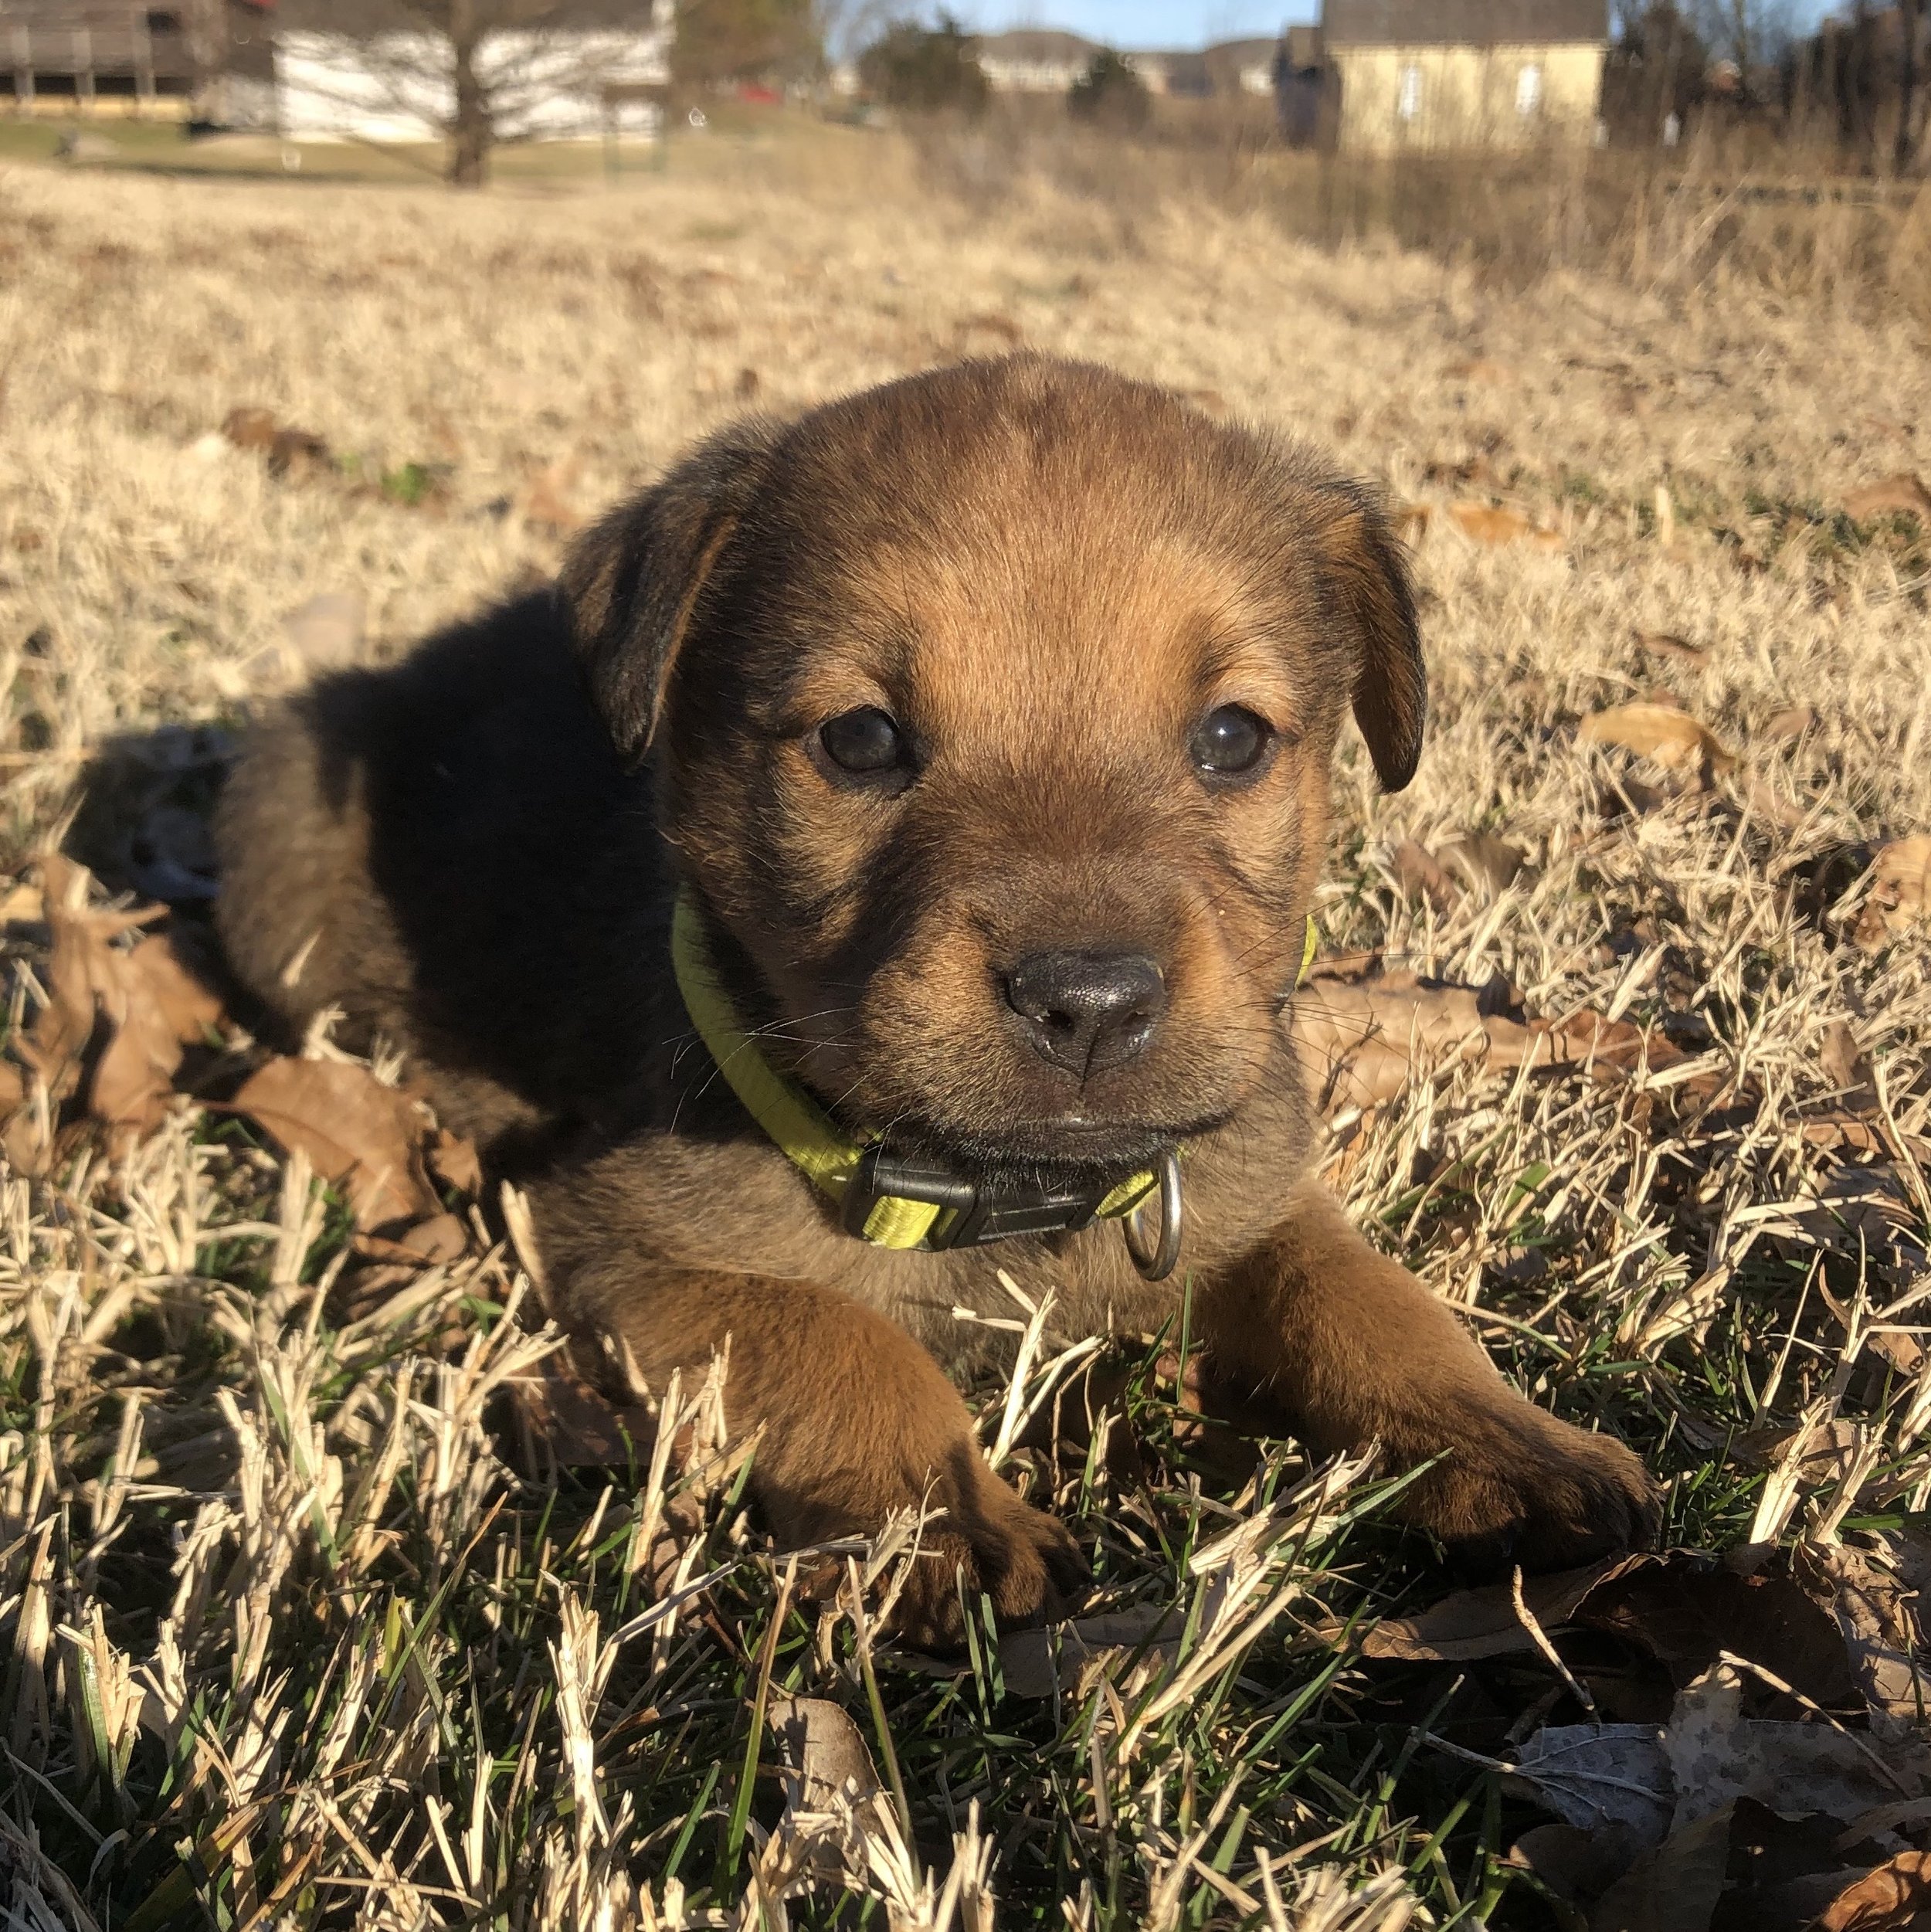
x: 1086, y: 1011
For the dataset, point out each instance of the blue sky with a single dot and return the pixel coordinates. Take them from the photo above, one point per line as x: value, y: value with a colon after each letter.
x: 1178, y: 23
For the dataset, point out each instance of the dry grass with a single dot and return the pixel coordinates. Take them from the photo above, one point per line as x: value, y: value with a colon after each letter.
x: 298, y: 1628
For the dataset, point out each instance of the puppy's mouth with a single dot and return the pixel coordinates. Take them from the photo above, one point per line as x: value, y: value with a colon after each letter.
x: 1050, y: 1153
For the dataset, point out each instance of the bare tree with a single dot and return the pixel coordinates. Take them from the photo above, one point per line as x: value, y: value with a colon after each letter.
x: 1910, y: 21
x: 475, y: 73
x: 1750, y: 33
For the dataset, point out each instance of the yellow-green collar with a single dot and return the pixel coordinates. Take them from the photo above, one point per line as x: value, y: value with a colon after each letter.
x: 802, y: 1131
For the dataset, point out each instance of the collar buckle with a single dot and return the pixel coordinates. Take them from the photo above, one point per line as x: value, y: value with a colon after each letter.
x: 970, y: 1214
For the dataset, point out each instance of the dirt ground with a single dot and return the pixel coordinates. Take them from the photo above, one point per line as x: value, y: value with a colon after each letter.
x: 290, y: 1581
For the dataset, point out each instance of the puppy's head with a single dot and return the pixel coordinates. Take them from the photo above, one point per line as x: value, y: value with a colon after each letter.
x: 992, y: 712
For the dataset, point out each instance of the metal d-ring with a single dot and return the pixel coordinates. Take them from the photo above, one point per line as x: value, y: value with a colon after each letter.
x: 1156, y: 1262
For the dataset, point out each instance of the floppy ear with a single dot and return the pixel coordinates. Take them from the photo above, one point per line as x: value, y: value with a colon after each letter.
x: 633, y: 582
x: 1368, y: 568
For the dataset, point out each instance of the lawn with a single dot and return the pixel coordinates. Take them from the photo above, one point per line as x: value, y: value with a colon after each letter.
x: 328, y: 1598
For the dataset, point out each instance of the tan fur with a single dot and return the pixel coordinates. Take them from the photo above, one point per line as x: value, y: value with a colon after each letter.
x: 1048, y: 575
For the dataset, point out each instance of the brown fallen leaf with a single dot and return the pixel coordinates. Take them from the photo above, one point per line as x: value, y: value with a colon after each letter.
x: 1715, y: 1756
x: 1903, y: 495
x: 579, y: 1427
x: 545, y: 503
x: 1896, y: 1897
x: 290, y: 452
x: 1578, y: 1867
x: 1661, y: 733
x: 455, y: 1163
x: 1363, y: 1040
x: 1418, y: 874
x: 1868, y: 1603
x: 823, y: 1754
x: 1682, y: 1609
x: 1483, y: 369
x: 1471, y: 1624
x: 1596, y: 1777
x: 1666, y: 643
x: 1673, y: 1888
x: 1899, y: 900
x: 1486, y: 864
x: 1483, y: 522
x: 361, y: 1135
x: 1792, y: 722
x: 1411, y: 522
x: 1036, y: 1662
x: 151, y: 1005
x: 164, y: 1008
x: 325, y: 633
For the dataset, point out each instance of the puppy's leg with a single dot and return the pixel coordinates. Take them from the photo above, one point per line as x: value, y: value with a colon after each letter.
x: 1358, y: 1350
x: 857, y: 1421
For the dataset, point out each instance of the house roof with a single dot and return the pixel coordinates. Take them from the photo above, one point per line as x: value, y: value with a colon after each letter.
x: 1037, y: 43
x: 1409, y: 23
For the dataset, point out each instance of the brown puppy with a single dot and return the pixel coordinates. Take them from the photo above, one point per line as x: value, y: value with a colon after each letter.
x: 984, y: 720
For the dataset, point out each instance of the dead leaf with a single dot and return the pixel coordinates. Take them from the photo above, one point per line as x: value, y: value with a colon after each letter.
x: 1896, y: 1897
x: 1899, y: 899
x: 823, y: 1754
x: 1363, y: 1039
x: 455, y: 1163
x: 1486, y: 864
x: 1716, y: 1755
x: 360, y: 1134
x: 1473, y: 1624
x: 290, y: 452
x: 1661, y: 733
x: 164, y: 1008
x: 22, y: 905
x: 1417, y: 874
x: 325, y: 633
x: 151, y: 1005
x: 1481, y: 523
x: 824, y: 1768
x: 1593, y: 1776
x: 1843, y: 1063
x: 1577, y: 1866
x: 1673, y: 1888
x: 1903, y: 495
x: 1684, y: 1610
x: 1868, y: 1604
x: 1666, y: 643
x: 1036, y: 1662
x: 1792, y: 722
x: 579, y: 1427
x: 545, y: 502
x: 1480, y: 368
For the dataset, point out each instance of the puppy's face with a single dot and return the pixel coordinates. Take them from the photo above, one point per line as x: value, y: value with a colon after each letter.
x: 994, y: 733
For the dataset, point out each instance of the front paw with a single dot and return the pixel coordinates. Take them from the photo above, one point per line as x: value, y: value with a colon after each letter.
x: 988, y: 1542
x: 1518, y: 1486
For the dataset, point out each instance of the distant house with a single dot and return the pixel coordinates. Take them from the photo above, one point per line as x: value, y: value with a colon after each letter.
x: 206, y: 60
x: 1241, y: 66
x: 1180, y: 74
x: 1428, y: 74
x: 1034, y: 60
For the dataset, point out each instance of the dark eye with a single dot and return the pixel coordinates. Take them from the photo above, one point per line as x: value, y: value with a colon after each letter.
x: 862, y: 742
x: 1229, y: 742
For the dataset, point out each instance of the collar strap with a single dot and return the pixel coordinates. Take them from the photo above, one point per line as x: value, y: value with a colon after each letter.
x: 891, y: 1202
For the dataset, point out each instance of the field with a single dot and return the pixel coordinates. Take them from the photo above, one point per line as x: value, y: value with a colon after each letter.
x: 325, y: 1600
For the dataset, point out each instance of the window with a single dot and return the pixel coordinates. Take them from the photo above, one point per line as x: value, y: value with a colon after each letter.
x: 160, y: 21
x: 1408, y: 102
x: 1529, y: 91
